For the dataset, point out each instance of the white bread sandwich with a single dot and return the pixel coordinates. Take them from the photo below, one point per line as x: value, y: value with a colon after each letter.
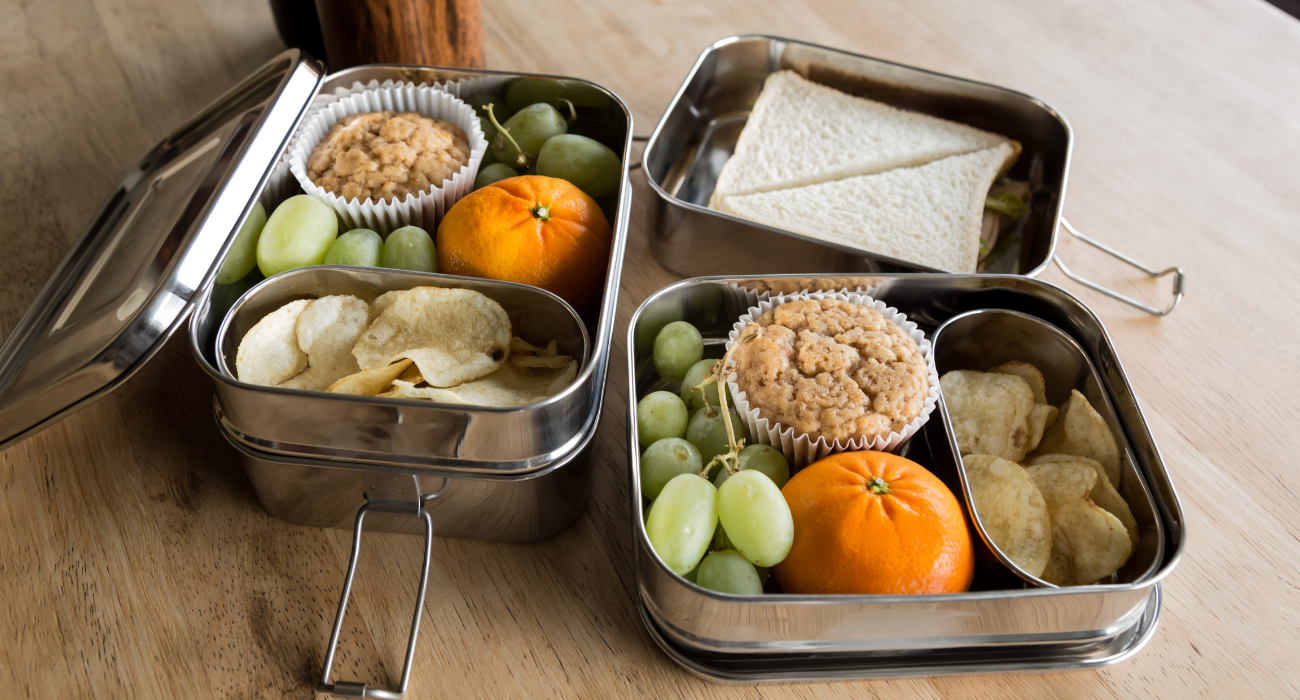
x: 929, y: 214
x: 801, y: 133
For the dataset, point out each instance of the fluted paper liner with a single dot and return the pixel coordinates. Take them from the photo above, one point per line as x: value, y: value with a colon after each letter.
x: 425, y: 209
x: 801, y: 449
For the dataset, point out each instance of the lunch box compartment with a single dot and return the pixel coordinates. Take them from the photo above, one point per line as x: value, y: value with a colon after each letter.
x: 978, y: 340
x: 819, y: 637
x: 699, y: 129
x: 413, y: 432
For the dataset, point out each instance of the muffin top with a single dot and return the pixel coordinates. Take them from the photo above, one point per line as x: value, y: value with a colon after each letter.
x: 832, y: 369
x: 387, y: 155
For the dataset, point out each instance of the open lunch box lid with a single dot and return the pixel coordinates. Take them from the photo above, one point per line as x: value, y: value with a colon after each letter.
x: 137, y: 271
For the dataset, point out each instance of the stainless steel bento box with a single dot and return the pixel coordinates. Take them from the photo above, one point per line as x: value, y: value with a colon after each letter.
x: 514, y: 452
x: 784, y: 638
x: 699, y: 129
x: 149, y: 259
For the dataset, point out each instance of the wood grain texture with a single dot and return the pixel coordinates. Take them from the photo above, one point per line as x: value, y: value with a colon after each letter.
x: 417, y: 32
x: 135, y: 560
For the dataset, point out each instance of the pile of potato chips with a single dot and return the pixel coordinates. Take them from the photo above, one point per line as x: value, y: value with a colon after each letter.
x: 444, y: 345
x: 1044, y: 481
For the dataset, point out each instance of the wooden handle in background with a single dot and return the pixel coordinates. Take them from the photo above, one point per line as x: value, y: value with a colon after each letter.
x: 414, y: 32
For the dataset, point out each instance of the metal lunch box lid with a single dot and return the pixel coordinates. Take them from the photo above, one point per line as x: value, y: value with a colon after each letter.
x: 135, y: 274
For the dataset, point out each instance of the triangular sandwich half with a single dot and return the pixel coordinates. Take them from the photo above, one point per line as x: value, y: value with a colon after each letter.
x: 801, y: 133
x: 929, y: 214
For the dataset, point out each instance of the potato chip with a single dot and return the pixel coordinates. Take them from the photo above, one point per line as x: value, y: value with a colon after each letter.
x: 326, y: 330
x: 1011, y: 510
x: 1103, y: 494
x: 370, y: 382
x: 1040, y: 419
x: 453, y: 335
x: 412, y: 375
x: 518, y: 344
x: 382, y: 302
x: 1088, y: 543
x: 1029, y: 373
x: 508, y: 386
x: 1081, y: 431
x: 268, y: 353
x: 989, y: 412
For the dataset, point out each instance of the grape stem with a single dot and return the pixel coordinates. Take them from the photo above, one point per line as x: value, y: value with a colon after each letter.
x: 573, y: 111
x: 731, y: 459
x: 503, y: 134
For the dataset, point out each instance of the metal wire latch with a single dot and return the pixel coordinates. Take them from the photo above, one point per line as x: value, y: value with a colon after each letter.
x: 1177, y: 272
x: 362, y: 690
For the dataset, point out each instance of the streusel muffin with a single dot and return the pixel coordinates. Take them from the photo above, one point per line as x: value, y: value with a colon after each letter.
x: 384, y: 156
x: 833, y: 369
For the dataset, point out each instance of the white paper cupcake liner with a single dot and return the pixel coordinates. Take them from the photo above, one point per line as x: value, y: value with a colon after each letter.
x: 799, y: 448
x: 282, y: 184
x: 425, y: 209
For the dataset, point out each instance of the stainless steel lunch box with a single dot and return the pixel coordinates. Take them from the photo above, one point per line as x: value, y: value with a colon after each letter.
x: 698, y: 132
x: 1000, y: 625
x: 149, y: 259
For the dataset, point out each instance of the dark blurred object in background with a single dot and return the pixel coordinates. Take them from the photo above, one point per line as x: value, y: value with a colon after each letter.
x: 299, y: 26
x: 414, y: 32
x: 1291, y: 7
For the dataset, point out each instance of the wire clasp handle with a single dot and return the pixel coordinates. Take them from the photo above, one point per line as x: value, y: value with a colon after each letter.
x: 1177, y: 272
x: 361, y: 690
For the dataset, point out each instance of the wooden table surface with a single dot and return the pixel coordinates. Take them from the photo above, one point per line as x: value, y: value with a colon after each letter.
x: 135, y: 560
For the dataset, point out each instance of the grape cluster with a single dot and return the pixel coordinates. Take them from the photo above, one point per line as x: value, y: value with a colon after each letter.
x: 303, y: 231
x: 528, y: 132
x: 717, y: 516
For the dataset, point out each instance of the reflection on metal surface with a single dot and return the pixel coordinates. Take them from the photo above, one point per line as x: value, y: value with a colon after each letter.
x: 815, y: 667
x: 699, y: 129
x: 998, y: 611
x: 327, y: 493
x: 987, y: 338
x: 128, y: 282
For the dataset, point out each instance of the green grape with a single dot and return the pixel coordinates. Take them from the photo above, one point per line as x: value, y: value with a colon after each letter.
x: 297, y: 234
x: 682, y: 520
x: 586, y: 163
x: 763, y: 458
x: 489, y: 134
x: 493, y: 173
x: 409, y: 248
x: 720, y: 541
x: 527, y: 91
x: 709, y: 433
x: 756, y: 517
x: 768, y: 460
x: 728, y: 572
x: 763, y: 572
x: 242, y: 256
x: 661, y: 414
x: 664, y: 459
x: 359, y: 247
x: 690, y: 575
x: 693, y: 398
x: 530, y: 128
x: 652, y: 320
x: 677, y: 347
x: 480, y: 102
